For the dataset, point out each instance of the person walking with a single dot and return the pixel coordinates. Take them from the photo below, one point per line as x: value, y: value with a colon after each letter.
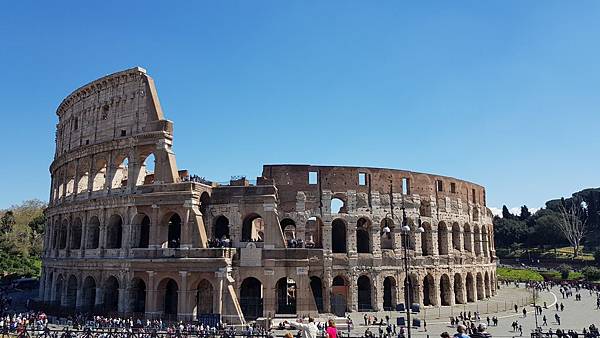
x: 309, y: 330
x: 331, y: 329
x: 545, y: 323
x: 461, y: 332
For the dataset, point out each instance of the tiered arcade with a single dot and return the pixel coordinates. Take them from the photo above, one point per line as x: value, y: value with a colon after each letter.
x: 128, y: 233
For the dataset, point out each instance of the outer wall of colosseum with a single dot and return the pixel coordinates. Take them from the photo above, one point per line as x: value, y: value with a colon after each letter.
x: 129, y: 233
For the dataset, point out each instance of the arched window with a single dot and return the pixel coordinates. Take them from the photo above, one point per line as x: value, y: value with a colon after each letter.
x: 93, y: 233
x: 141, y: 231
x: 251, y: 298
x: 467, y: 238
x: 445, y: 290
x: 364, y: 293
x: 459, y: 291
x: 312, y: 233
x: 168, y: 297
x: 456, y: 236
x: 253, y: 228
x: 338, y: 236
x: 99, y: 174
x: 338, y: 206
x: 146, y: 173
x: 120, y: 174
x: 174, y: 231
x: 89, y: 294
x: 428, y: 290
x: 339, y: 296
x: 442, y: 239
x: 286, y: 296
x: 389, y: 294
x: 387, y: 234
x: 76, y: 234
x: 221, y: 229
x: 204, y: 298
x: 63, y: 234
x: 71, y: 292
x: 316, y: 286
x: 288, y: 227
x: 111, y: 295
x: 427, y: 240
x: 137, y: 296
x: 114, y: 234
x: 363, y: 238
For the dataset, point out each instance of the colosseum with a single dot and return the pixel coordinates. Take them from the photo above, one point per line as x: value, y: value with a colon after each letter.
x: 130, y: 233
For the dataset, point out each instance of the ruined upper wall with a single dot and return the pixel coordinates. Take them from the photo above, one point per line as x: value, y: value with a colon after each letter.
x: 292, y: 178
x: 116, y: 106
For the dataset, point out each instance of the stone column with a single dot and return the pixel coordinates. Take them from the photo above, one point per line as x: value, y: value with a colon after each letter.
x: 99, y: 301
x: 90, y: 184
x: 48, y: 287
x: 375, y: 234
x: 353, y: 294
x: 377, y: 293
x: 79, y: 297
x: 151, y: 296
x: 351, y: 239
x: 183, y: 296
x: 84, y: 233
x: 186, y: 238
x: 155, y: 223
x: 122, y: 301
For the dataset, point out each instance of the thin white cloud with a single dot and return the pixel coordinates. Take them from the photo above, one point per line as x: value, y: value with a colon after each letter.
x: 514, y: 210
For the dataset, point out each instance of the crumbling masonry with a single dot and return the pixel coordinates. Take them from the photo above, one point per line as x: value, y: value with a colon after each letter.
x: 129, y: 233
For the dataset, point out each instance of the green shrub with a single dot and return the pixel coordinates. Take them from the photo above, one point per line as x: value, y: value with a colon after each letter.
x: 591, y: 273
x: 502, y: 252
x: 564, y: 270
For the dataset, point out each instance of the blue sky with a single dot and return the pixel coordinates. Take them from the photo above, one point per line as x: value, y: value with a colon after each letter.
x: 502, y: 93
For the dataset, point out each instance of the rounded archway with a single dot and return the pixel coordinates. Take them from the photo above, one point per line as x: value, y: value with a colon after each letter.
x: 316, y: 286
x: 363, y: 240
x: 174, y: 231
x: 442, y: 238
x: 477, y: 240
x: 459, y: 291
x: 389, y: 294
x: 93, y: 234
x: 427, y: 240
x: 387, y: 234
x: 312, y: 233
x: 456, y: 236
x: 75, y: 242
x: 71, y: 292
x: 221, y: 227
x: 339, y: 296
x: 480, y: 287
x: 486, y: 279
x: 114, y: 233
x: 168, y: 297
x: 338, y: 236
x: 429, y: 296
x: 470, y: 285
x: 137, y: 296
x: 89, y: 294
x: 446, y: 296
x: 286, y: 296
x: 141, y: 231
x: 62, y: 244
x: 111, y: 295
x: 412, y: 285
x: 467, y: 238
x: 251, y: 298
x: 58, y: 289
x: 364, y: 293
x: 204, y: 298
x: 288, y: 228
x: 253, y: 228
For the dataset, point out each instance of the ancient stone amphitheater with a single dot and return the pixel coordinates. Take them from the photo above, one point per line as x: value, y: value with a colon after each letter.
x: 129, y: 233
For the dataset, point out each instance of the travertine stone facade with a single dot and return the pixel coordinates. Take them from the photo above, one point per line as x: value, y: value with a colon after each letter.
x: 129, y: 233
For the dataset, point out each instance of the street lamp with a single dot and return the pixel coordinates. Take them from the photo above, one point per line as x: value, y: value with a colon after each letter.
x: 405, y: 243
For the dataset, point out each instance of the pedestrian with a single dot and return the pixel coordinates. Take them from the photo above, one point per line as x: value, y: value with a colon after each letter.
x: 461, y: 332
x: 524, y: 312
x: 545, y: 321
x: 517, y: 308
x: 331, y: 329
x: 309, y: 330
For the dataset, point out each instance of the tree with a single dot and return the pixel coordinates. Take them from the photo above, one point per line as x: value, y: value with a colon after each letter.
x: 572, y: 222
x: 525, y: 214
x: 506, y: 214
x: 7, y: 221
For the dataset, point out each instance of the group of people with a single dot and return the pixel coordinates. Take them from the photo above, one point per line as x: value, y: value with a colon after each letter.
x: 223, y: 242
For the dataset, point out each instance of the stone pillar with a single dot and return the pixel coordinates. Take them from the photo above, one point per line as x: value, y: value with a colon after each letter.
x: 155, y: 223
x: 90, y: 184
x: 99, y: 301
x: 452, y: 292
x: 377, y: 293
x: 48, y: 287
x: 326, y: 236
x: 84, y: 233
x: 151, y: 296
x: 353, y: 293
x: 79, y: 297
x: 184, y: 309
x: 63, y: 298
x: 351, y: 239
x: 186, y: 237
x: 122, y: 301
x: 327, y: 281
x: 375, y: 234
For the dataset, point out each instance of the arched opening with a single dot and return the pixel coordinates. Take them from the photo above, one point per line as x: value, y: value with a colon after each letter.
x: 338, y: 206
x: 480, y: 288
x: 442, y: 239
x: 70, y: 180
x: 445, y: 290
x: 137, y: 296
x: 470, y: 288
x: 339, y: 296
x: 312, y: 233
x: 387, y: 234
x: 316, y: 286
x: 71, y: 292
x: 427, y: 240
x: 467, y: 238
x: 204, y: 203
x: 143, y: 231
x: 204, y: 298
x: 119, y: 178
x: 389, y: 294
x: 456, y: 236
x: 338, y: 236
x: 89, y: 294
x: 459, y: 291
x: 484, y: 240
x: 364, y: 293
x: 146, y: 173
x: 251, y: 298
x: 99, y: 174
x: 62, y: 244
x: 84, y: 176
x: 288, y: 228
x: 93, y: 234
x: 58, y: 288
x: 412, y: 285
x: 174, y: 231
x: 286, y: 296
x: 111, y: 295
x: 477, y: 240
x: 221, y: 229
x: 253, y: 228
x: 168, y: 297
x: 428, y: 290
x: 487, y: 285
x: 114, y: 233
x: 363, y: 240
x: 76, y: 234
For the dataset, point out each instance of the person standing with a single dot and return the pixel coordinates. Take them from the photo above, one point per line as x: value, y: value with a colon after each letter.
x: 331, y: 329
x: 308, y: 330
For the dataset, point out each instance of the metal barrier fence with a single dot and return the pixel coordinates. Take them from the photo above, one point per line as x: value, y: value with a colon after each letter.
x: 487, y: 307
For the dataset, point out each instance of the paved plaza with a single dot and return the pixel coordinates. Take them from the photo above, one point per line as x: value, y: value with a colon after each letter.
x: 576, y: 314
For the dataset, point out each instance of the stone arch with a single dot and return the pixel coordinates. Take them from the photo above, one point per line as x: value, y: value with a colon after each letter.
x: 137, y: 296
x: 364, y: 293
x: 442, y: 238
x: 251, y: 298
x: 363, y: 236
x: 387, y: 234
x: 389, y: 294
x: 316, y: 286
x: 429, y: 296
x: 286, y: 296
x: 288, y: 228
x: 338, y: 236
x: 204, y: 202
x: 339, y: 295
x: 221, y: 227
x: 338, y: 204
x: 111, y: 295
x: 58, y: 289
x: 480, y: 287
x: 172, y: 222
x: 141, y: 234
x: 62, y: 243
x: 99, y: 174
x: 168, y: 297
x: 71, y: 292
x: 470, y: 285
x: 146, y: 171
x: 468, y: 244
x: 120, y: 172
x: 427, y: 240
x: 84, y: 175
x: 459, y: 291
x: 456, y: 236
x: 477, y: 240
x: 89, y: 294
x: 114, y: 235
x: 253, y: 228
x: 446, y: 295
x: 412, y: 284
x: 93, y: 234
x: 486, y: 279
x: 313, y: 231
x: 75, y: 242
x: 204, y: 298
